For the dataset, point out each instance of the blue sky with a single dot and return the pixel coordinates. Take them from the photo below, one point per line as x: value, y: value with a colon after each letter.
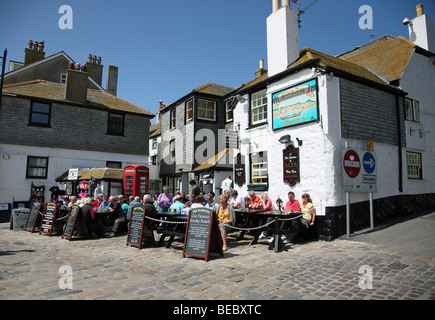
x: 166, y: 48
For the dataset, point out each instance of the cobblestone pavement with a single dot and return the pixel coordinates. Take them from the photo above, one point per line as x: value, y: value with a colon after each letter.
x: 108, y: 269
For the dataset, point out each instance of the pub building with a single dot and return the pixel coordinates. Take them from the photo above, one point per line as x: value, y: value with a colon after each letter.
x: 309, y: 108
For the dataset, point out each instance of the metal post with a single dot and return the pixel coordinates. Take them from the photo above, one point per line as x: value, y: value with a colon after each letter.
x: 348, y: 214
x: 371, y: 210
x: 3, y: 74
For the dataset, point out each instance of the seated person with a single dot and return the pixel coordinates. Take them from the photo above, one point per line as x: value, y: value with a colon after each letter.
x: 116, y: 215
x: 177, y: 206
x: 186, y: 209
x: 236, y: 201
x: 210, y: 203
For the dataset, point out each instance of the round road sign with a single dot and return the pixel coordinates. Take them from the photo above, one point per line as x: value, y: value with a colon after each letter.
x: 369, y: 162
x: 351, y: 163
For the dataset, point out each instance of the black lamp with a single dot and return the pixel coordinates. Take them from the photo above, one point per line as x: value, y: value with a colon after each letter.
x: 285, y: 139
x: 279, y: 203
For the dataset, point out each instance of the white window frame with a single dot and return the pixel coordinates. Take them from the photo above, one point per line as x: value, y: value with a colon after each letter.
x: 413, y: 165
x: 189, y: 109
x: 228, y: 111
x: 259, y: 107
x: 204, y: 110
x: 259, y: 169
x: 173, y: 118
x: 412, y: 110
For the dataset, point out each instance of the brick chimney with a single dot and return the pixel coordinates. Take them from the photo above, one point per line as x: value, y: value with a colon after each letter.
x: 95, y: 68
x: 112, y: 80
x: 34, y: 52
x: 282, y: 37
x: 76, y: 85
x: 260, y: 71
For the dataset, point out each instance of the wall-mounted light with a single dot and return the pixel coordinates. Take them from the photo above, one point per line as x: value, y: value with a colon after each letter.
x: 6, y: 157
x: 299, y: 142
x: 285, y: 139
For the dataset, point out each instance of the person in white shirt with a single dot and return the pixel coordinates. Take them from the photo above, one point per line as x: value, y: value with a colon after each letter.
x: 236, y: 201
x: 227, y: 184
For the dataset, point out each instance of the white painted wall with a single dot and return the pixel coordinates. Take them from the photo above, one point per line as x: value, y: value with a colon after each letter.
x: 15, y: 186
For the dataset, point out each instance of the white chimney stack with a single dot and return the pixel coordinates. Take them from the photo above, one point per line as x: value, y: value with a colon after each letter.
x: 421, y: 30
x: 282, y: 37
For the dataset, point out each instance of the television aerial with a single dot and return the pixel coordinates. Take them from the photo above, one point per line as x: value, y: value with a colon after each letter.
x: 300, y: 12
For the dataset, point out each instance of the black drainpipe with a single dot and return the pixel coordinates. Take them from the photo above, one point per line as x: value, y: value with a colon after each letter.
x: 399, y: 142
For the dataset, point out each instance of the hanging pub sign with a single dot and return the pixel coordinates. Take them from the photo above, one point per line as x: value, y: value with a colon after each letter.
x: 290, y: 160
x: 295, y: 105
x: 239, y: 171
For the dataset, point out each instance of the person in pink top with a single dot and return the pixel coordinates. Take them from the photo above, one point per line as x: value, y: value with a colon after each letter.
x: 292, y: 203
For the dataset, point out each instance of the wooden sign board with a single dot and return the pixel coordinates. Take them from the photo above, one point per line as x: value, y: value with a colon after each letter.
x: 34, y: 219
x: 291, y: 167
x: 202, y: 234
x: 19, y: 219
x: 48, y: 218
x: 75, y: 221
x: 137, y: 226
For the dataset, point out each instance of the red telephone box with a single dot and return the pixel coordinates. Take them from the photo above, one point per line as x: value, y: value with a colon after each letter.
x: 136, y: 180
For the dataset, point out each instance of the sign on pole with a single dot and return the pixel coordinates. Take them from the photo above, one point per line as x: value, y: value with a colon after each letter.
x: 359, y: 171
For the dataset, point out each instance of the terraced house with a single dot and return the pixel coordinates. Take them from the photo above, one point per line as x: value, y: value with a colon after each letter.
x: 56, y: 116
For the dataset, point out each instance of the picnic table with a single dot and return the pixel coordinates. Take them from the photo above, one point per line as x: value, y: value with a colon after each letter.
x: 172, y: 225
x: 275, y: 221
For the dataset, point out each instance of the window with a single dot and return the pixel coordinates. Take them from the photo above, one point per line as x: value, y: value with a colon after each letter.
x: 259, y: 168
x: 413, y: 164
x: 412, y: 110
x: 40, y: 114
x: 189, y: 110
x: 154, y: 145
x: 114, y: 164
x: 172, y: 119
x: 206, y: 110
x: 258, y: 107
x: 63, y: 78
x: 116, y: 124
x: 154, y: 160
x: 37, y: 167
x: 172, y: 149
x: 228, y: 111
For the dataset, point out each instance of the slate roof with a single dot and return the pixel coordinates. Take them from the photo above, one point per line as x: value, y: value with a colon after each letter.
x: 387, y: 56
x: 308, y: 56
x: 56, y: 92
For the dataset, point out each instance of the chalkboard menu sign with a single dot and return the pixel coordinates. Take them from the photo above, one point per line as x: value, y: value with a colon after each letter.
x: 202, y: 234
x: 33, y: 220
x: 137, y: 226
x: 75, y: 221
x: 48, y: 217
x: 290, y: 157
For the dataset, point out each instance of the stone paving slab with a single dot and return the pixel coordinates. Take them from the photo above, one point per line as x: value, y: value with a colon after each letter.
x: 108, y: 269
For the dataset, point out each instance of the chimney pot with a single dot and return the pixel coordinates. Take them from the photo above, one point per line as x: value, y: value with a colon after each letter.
x: 261, y: 64
x: 275, y: 5
x: 94, y: 59
x: 30, y: 44
x: 35, y: 45
x: 41, y: 46
x: 99, y: 60
x: 286, y: 3
x: 89, y: 57
x: 419, y: 10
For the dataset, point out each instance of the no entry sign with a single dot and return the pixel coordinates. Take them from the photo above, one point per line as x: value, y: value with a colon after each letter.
x: 351, y: 163
x: 359, y: 171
